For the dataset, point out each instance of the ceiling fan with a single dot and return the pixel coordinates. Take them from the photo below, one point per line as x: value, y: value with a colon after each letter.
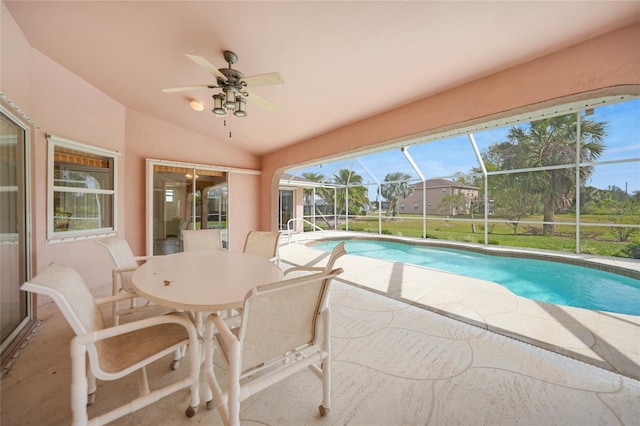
x: 233, y: 83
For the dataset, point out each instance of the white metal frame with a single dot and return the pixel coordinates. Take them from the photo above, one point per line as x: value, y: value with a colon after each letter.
x: 57, y: 141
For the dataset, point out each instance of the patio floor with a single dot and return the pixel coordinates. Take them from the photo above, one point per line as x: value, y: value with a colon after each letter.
x: 395, y: 363
x: 607, y: 340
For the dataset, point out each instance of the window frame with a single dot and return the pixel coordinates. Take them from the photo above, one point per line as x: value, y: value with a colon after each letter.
x: 73, y: 235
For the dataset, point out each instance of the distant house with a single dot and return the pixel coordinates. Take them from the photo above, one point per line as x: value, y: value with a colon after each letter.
x: 292, y: 202
x: 443, y: 197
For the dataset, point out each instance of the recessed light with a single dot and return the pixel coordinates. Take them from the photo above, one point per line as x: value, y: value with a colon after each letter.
x: 196, y: 105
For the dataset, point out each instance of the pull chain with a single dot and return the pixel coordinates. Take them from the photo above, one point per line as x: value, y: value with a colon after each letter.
x: 225, y: 125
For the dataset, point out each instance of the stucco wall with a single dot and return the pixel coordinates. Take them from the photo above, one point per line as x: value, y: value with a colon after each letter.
x: 63, y: 104
x: 609, y: 61
x: 148, y: 137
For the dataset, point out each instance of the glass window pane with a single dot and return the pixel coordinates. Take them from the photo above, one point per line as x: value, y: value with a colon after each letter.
x: 82, y: 191
x: 82, y: 170
x: 74, y: 211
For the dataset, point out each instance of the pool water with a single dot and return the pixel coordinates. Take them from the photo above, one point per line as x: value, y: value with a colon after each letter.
x: 552, y: 282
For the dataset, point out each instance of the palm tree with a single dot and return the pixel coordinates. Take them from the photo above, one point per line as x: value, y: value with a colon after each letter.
x: 552, y: 142
x: 397, y: 187
x: 350, y: 182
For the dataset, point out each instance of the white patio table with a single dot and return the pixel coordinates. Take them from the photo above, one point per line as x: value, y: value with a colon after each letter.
x: 203, y: 281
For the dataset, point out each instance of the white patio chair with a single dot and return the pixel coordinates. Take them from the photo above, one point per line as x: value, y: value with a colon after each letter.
x: 337, y: 252
x: 285, y: 328
x: 264, y: 244
x: 126, y: 264
x: 202, y: 239
x: 116, y: 351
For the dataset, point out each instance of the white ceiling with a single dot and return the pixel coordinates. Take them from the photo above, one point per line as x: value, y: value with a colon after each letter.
x: 341, y: 61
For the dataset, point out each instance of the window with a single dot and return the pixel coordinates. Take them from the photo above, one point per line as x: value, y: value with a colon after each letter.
x: 401, y: 206
x: 416, y: 206
x: 81, y: 189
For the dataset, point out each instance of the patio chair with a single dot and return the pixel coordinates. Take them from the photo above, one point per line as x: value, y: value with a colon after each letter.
x: 126, y: 264
x: 114, y: 352
x: 285, y: 327
x: 264, y: 244
x: 202, y: 239
x: 337, y: 252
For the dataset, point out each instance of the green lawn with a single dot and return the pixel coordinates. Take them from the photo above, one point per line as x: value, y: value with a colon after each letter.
x: 593, y: 239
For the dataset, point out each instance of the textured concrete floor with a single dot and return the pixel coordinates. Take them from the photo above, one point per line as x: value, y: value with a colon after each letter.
x: 395, y: 363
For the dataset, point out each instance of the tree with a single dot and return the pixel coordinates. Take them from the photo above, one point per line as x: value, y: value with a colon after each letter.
x: 396, y: 187
x: 550, y: 142
x: 323, y: 193
x: 349, y: 182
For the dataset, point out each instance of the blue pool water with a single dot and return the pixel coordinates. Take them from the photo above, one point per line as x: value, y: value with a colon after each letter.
x: 552, y: 282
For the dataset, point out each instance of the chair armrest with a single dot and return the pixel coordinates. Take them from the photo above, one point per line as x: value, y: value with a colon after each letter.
x: 120, y: 270
x: 304, y: 269
x: 223, y: 329
x: 113, y: 299
x: 117, y: 330
x: 85, y: 343
x: 141, y: 258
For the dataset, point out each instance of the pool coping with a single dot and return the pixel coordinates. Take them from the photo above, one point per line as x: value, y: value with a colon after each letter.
x: 607, y: 340
x: 621, y: 266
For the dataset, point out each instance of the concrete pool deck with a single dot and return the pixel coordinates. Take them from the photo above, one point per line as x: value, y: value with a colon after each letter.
x: 394, y: 362
x: 607, y: 340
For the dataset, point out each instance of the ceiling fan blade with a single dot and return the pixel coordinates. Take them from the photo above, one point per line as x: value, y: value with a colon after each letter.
x: 207, y: 66
x: 268, y: 105
x: 187, y: 88
x: 263, y: 79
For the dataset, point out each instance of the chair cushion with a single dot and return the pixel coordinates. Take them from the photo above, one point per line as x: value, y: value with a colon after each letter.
x: 120, y: 352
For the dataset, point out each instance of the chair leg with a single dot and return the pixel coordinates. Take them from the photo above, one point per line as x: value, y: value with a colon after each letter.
x: 114, y: 291
x: 78, y: 383
x: 326, y: 363
x: 195, y: 356
x: 212, y: 383
x: 177, y: 356
x: 143, y: 383
x: 234, y: 384
x: 91, y: 381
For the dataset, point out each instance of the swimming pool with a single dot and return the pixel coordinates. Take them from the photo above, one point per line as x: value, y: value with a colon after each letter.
x: 545, y: 281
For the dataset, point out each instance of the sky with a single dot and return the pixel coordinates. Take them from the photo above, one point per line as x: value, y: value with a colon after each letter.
x: 444, y: 158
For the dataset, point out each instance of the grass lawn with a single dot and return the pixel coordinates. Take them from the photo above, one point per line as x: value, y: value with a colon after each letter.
x: 593, y: 239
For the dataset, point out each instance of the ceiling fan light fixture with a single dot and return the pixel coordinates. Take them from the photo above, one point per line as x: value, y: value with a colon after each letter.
x: 240, y: 107
x: 230, y: 96
x: 196, y: 105
x: 218, y: 108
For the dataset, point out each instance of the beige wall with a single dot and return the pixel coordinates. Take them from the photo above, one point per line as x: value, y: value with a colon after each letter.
x: 435, y: 195
x: 63, y: 104
x: 605, y: 62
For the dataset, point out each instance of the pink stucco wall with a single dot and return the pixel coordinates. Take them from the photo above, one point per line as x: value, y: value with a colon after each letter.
x: 63, y: 104
x: 608, y: 61
x: 148, y: 137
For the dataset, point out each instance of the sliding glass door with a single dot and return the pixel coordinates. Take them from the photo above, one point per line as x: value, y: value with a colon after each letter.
x: 285, y: 208
x: 185, y: 197
x: 15, y: 308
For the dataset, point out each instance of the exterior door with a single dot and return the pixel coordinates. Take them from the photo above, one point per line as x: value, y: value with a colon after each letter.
x: 16, y: 315
x: 185, y: 197
x: 286, y: 207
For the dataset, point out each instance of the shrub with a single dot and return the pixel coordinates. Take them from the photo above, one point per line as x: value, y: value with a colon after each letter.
x: 632, y: 250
